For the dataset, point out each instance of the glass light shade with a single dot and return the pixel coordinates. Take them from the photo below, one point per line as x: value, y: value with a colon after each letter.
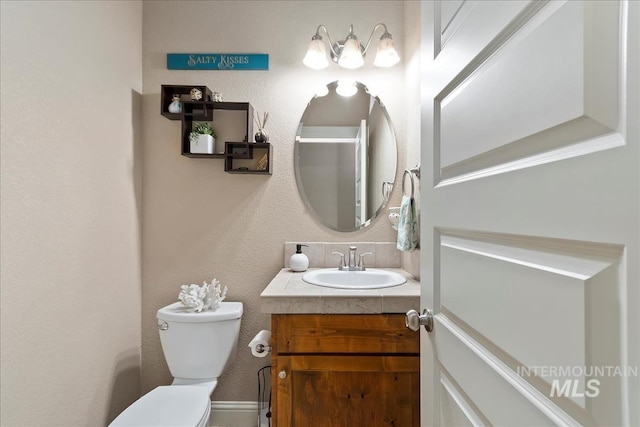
x: 387, y: 56
x: 346, y: 88
x: 316, y: 56
x: 351, y: 56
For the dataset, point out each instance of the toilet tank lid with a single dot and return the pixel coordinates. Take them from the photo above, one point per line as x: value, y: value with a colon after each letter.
x: 177, y: 312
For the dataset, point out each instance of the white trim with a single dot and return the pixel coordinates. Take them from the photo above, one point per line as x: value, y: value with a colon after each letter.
x: 236, y: 414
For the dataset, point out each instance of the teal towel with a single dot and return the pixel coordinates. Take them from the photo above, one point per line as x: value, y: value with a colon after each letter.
x: 408, y: 231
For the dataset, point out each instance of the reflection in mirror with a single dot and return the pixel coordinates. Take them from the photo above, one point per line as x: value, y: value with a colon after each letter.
x: 345, y: 156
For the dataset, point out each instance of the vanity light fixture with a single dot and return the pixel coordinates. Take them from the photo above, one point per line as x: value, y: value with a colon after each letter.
x: 350, y: 53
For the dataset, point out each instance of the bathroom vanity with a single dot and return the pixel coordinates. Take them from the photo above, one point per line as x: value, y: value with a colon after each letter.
x: 342, y: 357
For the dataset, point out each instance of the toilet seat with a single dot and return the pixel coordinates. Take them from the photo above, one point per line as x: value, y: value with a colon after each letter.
x: 181, y: 405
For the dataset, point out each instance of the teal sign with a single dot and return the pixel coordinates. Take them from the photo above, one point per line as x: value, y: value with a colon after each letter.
x: 217, y: 61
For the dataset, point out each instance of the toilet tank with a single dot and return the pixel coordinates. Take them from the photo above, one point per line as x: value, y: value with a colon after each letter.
x: 199, y: 346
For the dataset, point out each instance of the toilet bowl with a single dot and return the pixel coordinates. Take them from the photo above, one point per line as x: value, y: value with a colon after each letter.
x: 198, y: 347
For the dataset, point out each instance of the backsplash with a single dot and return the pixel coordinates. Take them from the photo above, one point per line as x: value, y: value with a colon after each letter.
x: 385, y: 254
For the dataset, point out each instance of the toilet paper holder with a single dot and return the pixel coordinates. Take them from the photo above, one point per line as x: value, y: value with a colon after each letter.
x: 261, y: 348
x: 261, y: 344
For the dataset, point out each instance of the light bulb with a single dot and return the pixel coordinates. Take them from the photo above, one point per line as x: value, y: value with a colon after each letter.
x: 346, y: 88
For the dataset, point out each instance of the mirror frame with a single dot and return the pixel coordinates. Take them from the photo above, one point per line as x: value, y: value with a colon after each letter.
x: 296, y: 155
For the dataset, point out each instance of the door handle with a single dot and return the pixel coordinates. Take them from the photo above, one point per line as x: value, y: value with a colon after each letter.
x: 413, y: 320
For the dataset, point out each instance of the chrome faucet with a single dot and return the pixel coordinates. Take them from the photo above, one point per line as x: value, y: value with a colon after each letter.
x: 352, y: 266
x: 352, y: 257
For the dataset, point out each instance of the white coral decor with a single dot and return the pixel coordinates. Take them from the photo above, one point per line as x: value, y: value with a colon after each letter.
x: 205, y: 297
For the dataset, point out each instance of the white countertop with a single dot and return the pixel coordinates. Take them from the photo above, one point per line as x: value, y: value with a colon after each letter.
x: 287, y: 293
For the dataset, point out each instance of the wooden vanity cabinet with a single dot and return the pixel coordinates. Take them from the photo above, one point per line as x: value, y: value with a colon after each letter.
x: 344, y: 370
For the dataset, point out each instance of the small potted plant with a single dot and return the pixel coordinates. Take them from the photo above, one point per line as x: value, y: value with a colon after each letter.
x: 202, y: 138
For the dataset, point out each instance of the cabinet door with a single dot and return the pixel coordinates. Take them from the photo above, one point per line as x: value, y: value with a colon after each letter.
x: 347, y: 391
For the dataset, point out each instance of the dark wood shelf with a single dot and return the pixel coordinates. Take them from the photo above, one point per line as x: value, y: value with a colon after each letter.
x: 198, y: 111
x: 208, y: 111
x: 167, y: 92
x: 248, y: 172
x: 203, y: 156
x: 231, y: 121
x: 243, y: 157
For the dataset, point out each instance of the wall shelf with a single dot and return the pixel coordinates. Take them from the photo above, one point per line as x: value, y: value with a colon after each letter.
x: 167, y: 92
x: 242, y: 157
x: 231, y: 121
x: 220, y: 115
x: 203, y: 156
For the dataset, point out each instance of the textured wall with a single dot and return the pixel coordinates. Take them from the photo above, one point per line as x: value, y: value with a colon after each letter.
x: 412, y: 39
x: 200, y: 222
x: 70, y: 316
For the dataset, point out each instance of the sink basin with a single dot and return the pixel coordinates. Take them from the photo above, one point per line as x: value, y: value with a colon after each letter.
x: 371, y: 278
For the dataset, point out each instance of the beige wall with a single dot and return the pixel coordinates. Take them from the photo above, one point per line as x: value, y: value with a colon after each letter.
x: 200, y: 222
x: 412, y: 38
x: 70, y: 281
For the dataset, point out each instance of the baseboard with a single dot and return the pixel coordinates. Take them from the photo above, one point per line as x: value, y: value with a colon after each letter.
x: 234, y: 414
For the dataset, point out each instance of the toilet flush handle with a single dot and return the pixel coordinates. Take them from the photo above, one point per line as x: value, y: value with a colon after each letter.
x: 163, y: 326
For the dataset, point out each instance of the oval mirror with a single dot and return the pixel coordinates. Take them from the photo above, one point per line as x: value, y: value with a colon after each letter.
x: 345, y: 156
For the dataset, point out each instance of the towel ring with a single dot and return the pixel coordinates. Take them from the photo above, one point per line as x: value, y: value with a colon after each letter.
x: 413, y: 173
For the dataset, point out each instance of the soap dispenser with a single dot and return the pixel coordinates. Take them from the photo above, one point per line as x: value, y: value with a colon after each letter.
x: 299, y: 261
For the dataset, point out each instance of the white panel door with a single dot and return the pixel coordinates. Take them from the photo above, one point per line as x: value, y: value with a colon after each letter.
x: 530, y: 212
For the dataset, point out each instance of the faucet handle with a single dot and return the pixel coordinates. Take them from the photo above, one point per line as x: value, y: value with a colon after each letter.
x: 342, y: 262
x: 361, y: 263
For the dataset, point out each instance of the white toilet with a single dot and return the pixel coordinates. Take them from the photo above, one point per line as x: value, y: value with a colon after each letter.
x: 198, y: 347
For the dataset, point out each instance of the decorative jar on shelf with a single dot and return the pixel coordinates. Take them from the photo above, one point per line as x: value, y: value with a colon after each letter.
x: 262, y: 136
x: 176, y: 105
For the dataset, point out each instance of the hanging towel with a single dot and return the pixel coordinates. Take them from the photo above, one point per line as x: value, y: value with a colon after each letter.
x: 408, y: 232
